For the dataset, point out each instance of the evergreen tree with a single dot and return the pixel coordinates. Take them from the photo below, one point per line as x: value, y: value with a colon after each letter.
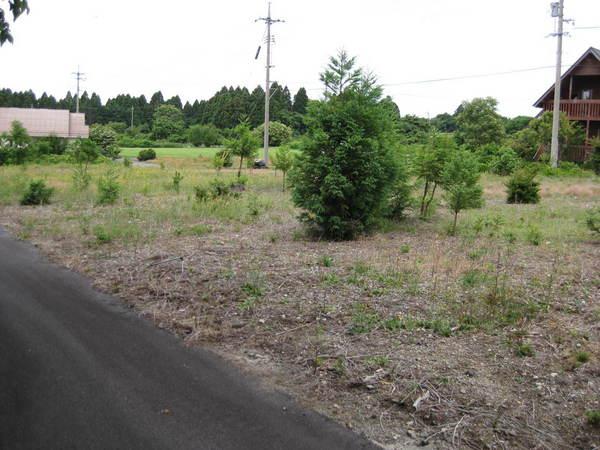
x: 342, y: 178
x: 300, y: 101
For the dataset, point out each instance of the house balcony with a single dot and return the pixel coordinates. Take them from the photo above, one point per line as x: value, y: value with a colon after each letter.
x: 578, y: 109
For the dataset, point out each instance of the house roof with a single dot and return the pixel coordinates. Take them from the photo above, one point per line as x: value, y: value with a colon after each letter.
x: 590, y: 51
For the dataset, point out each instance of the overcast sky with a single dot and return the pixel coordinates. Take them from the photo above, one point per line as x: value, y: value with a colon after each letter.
x: 194, y: 47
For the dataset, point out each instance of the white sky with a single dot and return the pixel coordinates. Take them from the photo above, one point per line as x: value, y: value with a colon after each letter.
x: 194, y: 47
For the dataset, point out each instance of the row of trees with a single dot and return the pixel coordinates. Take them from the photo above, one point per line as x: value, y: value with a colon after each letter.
x: 226, y: 109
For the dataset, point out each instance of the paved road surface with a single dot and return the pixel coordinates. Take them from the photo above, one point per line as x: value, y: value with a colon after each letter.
x: 77, y: 371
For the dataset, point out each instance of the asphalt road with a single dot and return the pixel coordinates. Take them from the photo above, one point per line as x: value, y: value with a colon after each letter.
x: 78, y: 371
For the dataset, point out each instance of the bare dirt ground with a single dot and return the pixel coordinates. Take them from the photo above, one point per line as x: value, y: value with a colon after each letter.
x: 367, y: 331
x: 410, y: 336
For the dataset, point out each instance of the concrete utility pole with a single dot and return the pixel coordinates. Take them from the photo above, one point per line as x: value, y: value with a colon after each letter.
x: 269, y: 21
x: 80, y: 77
x: 558, y: 10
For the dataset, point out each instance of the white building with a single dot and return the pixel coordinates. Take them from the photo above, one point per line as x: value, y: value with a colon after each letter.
x: 45, y: 122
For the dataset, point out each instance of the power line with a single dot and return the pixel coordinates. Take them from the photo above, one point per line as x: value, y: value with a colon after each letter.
x: 468, y: 77
x: 458, y: 78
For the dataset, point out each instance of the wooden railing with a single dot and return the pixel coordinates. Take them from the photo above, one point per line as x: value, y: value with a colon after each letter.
x: 578, y: 109
x: 574, y: 153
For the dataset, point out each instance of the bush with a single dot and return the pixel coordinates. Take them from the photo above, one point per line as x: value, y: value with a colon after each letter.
x: 522, y: 187
x: 51, y: 145
x: 37, y: 193
x: 108, y: 188
x: 217, y: 188
x: 244, y: 144
x: 222, y: 159
x: 593, y: 220
x: 504, y: 162
x: 177, y: 179
x: 460, y: 180
x: 283, y: 160
x: 593, y: 417
x: 564, y: 169
x: 279, y: 133
x: 106, y: 138
x: 429, y: 163
x: 146, y: 155
x: 204, y: 135
x: 399, y: 198
x: 15, y: 146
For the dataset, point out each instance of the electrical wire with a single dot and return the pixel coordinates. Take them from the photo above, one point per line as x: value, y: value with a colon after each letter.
x: 458, y: 78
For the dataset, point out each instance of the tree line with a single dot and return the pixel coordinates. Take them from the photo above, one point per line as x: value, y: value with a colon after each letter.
x: 225, y: 109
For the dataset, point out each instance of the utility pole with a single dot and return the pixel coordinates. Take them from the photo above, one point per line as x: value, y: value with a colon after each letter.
x: 558, y: 9
x: 80, y: 77
x: 269, y: 21
x: 132, y: 117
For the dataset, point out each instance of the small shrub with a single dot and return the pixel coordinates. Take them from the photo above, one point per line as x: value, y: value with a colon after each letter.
x: 177, y: 178
x: 37, y: 193
x: 377, y: 361
x: 108, y: 188
x: 404, y: 248
x: 201, y: 193
x: 364, y: 319
x: 127, y: 162
x: 534, y: 235
x: 102, y: 235
x: 472, y: 278
x: 522, y: 187
x: 200, y: 230
x: 400, y: 198
x: 326, y: 261
x: 582, y: 357
x: 283, y: 160
x: 254, y: 206
x: 146, y: 155
x: 223, y: 158
x: 460, y: 178
x: 81, y: 177
x: 593, y: 417
x: 254, y: 287
x: 331, y: 279
x: 525, y: 350
x: 219, y: 188
x: 593, y: 220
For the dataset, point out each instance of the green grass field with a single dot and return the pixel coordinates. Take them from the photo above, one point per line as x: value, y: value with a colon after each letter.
x: 186, y: 152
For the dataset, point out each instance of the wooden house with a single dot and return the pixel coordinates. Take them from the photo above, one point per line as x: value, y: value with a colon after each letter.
x: 579, y: 100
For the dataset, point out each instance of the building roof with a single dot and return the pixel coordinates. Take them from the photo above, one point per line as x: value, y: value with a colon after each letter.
x: 45, y: 122
x: 590, y: 51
